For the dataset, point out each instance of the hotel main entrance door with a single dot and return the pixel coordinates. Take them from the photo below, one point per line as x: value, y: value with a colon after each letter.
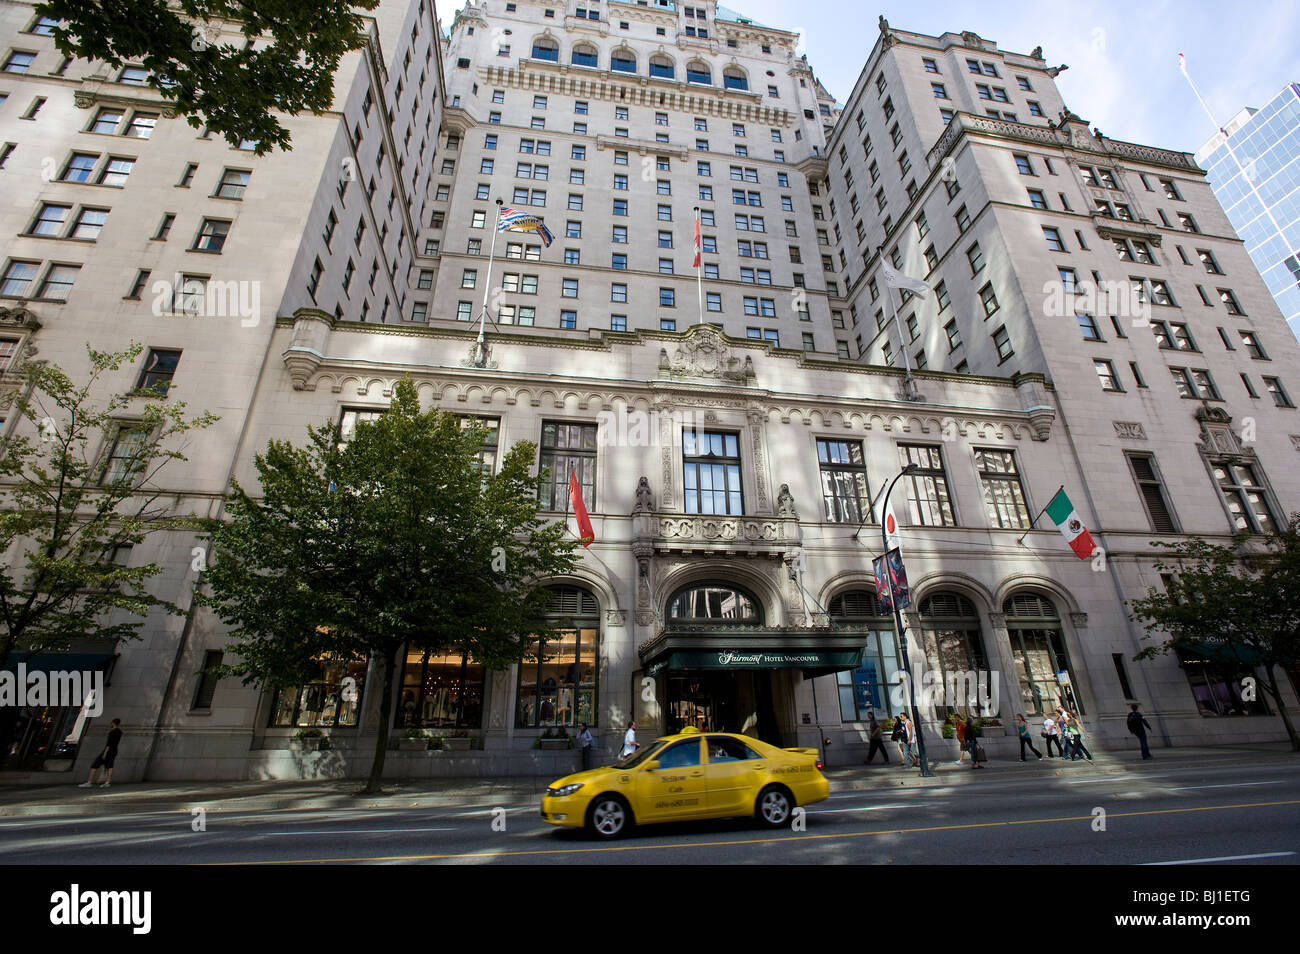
x: 725, y: 701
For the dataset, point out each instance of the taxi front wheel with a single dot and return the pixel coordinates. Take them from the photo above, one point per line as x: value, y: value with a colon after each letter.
x: 773, y: 806
x: 609, y: 816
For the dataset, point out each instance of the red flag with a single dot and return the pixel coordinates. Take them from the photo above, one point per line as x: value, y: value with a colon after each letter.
x: 585, y: 533
x: 696, y: 263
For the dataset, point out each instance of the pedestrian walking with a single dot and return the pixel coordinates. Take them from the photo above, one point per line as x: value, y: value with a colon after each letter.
x: 1067, y: 740
x: 897, y: 736
x: 1074, y: 732
x: 630, y: 744
x: 585, y: 745
x: 1138, y: 725
x: 873, y: 733
x: 973, y: 742
x: 909, y: 742
x: 1051, y: 735
x: 1022, y: 729
x: 959, y: 730
x: 107, y: 757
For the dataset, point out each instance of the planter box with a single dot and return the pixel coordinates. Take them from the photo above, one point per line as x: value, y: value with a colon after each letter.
x: 554, y: 745
x: 456, y: 743
x: 412, y: 745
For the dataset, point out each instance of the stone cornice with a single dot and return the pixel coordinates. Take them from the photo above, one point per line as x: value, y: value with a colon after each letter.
x: 101, y: 91
x: 1066, y: 137
x: 594, y: 83
x: 309, y: 364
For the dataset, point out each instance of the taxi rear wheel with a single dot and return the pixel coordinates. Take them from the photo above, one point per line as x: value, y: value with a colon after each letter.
x: 773, y: 806
x: 609, y: 816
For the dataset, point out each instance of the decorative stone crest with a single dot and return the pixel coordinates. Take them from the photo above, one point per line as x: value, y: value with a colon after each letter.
x: 1130, y: 430
x: 705, y: 354
x: 1295, y: 441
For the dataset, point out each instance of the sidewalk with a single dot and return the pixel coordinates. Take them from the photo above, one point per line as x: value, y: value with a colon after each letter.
x: 66, y: 800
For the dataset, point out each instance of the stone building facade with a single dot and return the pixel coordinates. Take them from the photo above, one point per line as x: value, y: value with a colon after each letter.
x: 728, y: 463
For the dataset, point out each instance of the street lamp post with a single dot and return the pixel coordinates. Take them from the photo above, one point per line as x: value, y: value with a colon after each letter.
x: 898, y: 625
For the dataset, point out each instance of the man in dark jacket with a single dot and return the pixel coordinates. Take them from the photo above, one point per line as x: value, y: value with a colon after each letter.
x: 1138, y: 726
x: 873, y: 733
x: 973, y: 740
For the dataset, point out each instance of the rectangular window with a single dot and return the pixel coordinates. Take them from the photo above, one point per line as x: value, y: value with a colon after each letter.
x: 1152, y: 491
x: 1106, y: 375
x: 567, y: 447
x: 58, y: 282
x: 1244, y: 493
x: 1053, y: 237
x: 928, y: 500
x: 711, y: 470
x: 1277, y: 392
x: 123, y: 458
x: 843, y: 469
x: 1004, y: 495
x: 158, y: 371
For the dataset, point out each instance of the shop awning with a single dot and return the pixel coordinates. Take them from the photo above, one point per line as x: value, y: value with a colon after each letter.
x: 813, y: 651
x: 1218, y: 652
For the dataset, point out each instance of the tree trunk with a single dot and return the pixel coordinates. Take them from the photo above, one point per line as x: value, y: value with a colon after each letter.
x: 374, y: 785
x: 1275, y: 691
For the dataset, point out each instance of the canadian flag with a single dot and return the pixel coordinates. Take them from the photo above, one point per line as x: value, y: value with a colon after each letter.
x: 696, y: 263
x: 585, y: 533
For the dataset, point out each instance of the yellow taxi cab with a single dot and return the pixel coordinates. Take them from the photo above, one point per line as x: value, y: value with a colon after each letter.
x: 691, y: 775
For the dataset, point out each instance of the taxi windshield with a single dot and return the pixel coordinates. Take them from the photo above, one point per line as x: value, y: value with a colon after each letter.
x: 640, y: 755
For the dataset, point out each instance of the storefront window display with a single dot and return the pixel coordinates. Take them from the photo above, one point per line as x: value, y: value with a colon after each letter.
x: 328, y: 701
x: 440, y: 691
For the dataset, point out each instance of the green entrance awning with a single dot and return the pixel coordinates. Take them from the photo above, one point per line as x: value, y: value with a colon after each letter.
x: 1218, y: 652
x: 813, y: 651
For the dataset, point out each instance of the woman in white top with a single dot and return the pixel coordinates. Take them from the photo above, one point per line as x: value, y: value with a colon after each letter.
x: 630, y: 743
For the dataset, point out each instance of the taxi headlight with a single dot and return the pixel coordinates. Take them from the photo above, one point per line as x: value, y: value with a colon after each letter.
x: 564, y: 790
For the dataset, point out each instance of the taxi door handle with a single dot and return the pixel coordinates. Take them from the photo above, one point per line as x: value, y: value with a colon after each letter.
x: 696, y: 774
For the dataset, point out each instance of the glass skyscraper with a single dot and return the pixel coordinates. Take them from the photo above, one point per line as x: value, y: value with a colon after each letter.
x: 1263, y: 148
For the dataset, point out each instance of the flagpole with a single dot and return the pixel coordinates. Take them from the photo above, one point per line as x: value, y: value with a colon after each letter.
x: 1250, y: 179
x: 480, y: 355
x: 907, y: 363
x: 1021, y: 541
x: 699, y: 252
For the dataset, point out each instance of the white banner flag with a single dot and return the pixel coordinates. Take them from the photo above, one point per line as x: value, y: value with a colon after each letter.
x: 896, y: 279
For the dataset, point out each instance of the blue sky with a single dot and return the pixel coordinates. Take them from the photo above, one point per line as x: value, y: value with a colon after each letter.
x: 1123, y: 56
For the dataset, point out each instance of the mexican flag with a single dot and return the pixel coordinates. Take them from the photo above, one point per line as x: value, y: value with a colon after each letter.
x: 1067, y: 521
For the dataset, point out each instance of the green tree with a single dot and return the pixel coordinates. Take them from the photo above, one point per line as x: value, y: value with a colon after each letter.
x: 396, y: 538
x: 65, y: 506
x: 232, y: 88
x: 1233, y: 598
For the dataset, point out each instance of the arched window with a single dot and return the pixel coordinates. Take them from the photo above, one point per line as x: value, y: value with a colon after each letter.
x: 870, y: 687
x: 713, y: 603
x: 558, y: 687
x: 622, y: 61
x: 544, y: 48
x: 584, y: 54
x: 699, y: 72
x: 733, y: 77
x: 661, y: 65
x: 1034, y: 628
x: 955, y: 647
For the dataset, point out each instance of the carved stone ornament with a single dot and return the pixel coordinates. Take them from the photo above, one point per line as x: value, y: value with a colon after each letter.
x: 720, y: 528
x: 19, y: 315
x: 705, y: 354
x: 785, y: 503
x: 1079, y: 620
x: 645, y: 502
x: 1295, y: 441
x: 1216, y: 431
x: 1130, y: 430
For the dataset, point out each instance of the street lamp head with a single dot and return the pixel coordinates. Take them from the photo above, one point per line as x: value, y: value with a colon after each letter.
x: 911, y: 467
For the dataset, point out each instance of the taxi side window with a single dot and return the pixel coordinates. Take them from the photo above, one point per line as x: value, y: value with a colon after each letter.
x: 681, y: 755
x: 724, y: 749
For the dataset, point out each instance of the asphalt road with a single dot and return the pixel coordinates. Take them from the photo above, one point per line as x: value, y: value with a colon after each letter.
x: 1168, y: 815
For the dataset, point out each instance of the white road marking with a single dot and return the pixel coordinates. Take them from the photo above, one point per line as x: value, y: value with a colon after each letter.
x: 869, y: 808
x: 1204, y: 861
